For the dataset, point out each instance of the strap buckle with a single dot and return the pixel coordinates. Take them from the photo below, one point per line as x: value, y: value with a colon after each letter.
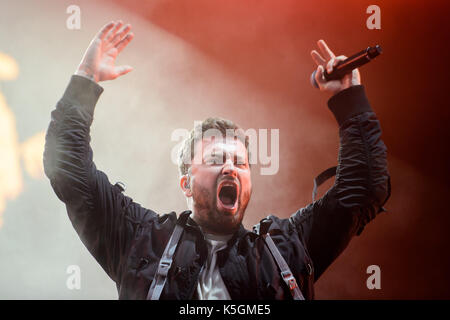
x: 289, y: 279
x: 164, y: 266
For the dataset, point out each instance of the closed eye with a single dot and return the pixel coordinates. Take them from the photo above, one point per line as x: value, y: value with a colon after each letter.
x: 214, y: 160
x: 240, y: 161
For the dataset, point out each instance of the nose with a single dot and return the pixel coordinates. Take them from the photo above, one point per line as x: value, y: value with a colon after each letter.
x: 229, y: 169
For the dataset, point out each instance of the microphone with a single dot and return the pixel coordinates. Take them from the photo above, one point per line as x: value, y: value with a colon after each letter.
x: 343, y: 67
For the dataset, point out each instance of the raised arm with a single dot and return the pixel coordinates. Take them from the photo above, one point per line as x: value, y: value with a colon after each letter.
x: 362, y: 180
x: 104, y: 218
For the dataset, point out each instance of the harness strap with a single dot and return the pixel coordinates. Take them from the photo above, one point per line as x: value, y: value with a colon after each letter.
x: 165, y: 263
x: 321, y: 178
x: 286, y: 273
x: 330, y: 172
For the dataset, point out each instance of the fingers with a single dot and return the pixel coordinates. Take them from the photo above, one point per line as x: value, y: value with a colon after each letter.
x: 124, y: 42
x: 121, y: 70
x: 340, y: 58
x: 334, y: 62
x: 356, y: 77
x: 104, y: 31
x: 326, y: 52
x: 327, y: 59
x: 318, y: 58
x: 319, y: 75
x: 331, y: 64
x: 114, y: 30
x: 121, y: 35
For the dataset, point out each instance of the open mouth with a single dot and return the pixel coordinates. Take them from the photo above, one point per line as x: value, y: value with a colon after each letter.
x: 228, y: 195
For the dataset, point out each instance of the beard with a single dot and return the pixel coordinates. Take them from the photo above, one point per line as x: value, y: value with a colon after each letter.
x: 213, y: 220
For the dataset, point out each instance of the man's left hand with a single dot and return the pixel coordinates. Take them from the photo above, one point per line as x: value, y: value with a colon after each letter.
x: 328, y: 60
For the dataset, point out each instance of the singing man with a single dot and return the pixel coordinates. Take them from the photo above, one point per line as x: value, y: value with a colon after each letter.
x: 205, y: 252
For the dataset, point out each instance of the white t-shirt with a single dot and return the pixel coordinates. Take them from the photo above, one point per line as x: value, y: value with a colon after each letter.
x: 210, y: 283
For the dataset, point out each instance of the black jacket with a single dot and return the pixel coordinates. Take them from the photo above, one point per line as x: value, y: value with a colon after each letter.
x: 128, y: 240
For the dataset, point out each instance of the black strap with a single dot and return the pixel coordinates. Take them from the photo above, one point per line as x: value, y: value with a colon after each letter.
x: 286, y: 273
x: 321, y: 178
x: 165, y: 263
x: 330, y: 172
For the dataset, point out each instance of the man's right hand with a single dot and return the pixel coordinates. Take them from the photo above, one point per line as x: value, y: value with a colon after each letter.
x: 98, y: 61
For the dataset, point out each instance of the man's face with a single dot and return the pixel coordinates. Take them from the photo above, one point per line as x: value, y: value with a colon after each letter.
x: 221, y: 185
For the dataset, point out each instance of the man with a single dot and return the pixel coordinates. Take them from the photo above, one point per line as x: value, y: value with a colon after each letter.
x: 215, y: 257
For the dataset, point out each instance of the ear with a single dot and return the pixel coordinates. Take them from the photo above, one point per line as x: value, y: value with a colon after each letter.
x: 185, y: 185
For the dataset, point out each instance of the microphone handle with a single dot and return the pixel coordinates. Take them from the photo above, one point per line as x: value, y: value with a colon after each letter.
x: 346, y: 66
x: 343, y: 67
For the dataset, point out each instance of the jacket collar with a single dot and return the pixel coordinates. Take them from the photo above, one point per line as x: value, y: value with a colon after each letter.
x: 239, y: 234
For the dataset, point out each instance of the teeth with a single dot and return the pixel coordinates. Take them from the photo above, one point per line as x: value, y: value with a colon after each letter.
x: 228, y: 185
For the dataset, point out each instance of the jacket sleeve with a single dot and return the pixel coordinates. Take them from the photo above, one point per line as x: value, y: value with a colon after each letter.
x: 104, y: 218
x: 361, y: 187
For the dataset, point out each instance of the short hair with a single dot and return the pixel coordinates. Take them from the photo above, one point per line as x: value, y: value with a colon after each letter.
x: 186, y: 152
